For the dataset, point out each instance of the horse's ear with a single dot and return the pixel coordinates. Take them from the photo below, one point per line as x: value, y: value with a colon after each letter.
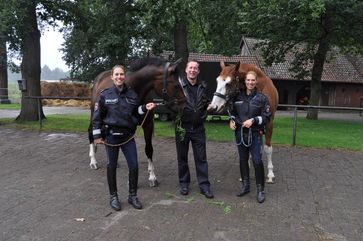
x: 236, y: 68
x: 173, y: 66
x: 178, y: 61
x: 222, y: 64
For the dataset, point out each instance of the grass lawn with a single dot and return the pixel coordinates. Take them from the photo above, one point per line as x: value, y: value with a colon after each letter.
x: 310, y: 133
x: 9, y: 106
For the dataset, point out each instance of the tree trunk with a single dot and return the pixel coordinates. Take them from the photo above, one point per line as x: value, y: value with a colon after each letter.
x: 315, y: 85
x: 4, y: 97
x: 30, y: 66
x: 318, y: 66
x: 180, y: 44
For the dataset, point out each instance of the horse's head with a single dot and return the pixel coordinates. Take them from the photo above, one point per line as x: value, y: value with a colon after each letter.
x: 169, y: 88
x: 228, y: 84
x: 160, y: 76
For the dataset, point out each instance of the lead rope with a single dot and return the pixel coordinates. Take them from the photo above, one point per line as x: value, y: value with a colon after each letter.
x: 132, y: 137
x: 249, y: 139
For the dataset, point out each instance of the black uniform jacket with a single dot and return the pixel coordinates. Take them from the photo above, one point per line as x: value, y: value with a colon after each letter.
x: 255, y: 105
x: 195, y: 111
x: 116, y: 110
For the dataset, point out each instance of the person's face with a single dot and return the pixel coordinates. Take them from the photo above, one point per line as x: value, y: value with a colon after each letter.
x: 192, y: 71
x: 250, y: 82
x: 118, y: 76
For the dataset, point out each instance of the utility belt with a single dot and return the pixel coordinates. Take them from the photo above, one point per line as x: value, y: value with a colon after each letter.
x: 118, y: 131
x: 189, y: 126
x: 255, y: 130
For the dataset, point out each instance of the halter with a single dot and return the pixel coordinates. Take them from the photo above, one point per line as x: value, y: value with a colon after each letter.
x: 166, y: 98
x: 222, y: 96
x: 165, y: 90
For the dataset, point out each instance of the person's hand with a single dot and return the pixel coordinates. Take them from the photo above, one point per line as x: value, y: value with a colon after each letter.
x: 248, y: 123
x: 150, y: 106
x: 232, y: 124
x: 99, y: 141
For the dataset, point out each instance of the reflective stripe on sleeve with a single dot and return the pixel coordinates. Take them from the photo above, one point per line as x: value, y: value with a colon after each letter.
x: 96, y: 132
x: 141, y: 112
x: 259, y: 118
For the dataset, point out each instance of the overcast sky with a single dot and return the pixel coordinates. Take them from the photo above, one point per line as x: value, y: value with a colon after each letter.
x: 51, y: 42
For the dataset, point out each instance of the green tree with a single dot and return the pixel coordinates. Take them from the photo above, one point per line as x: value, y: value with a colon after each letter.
x: 98, y: 35
x: 308, y: 29
x: 101, y: 33
x: 4, y: 29
x: 21, y: 26
x: 195, y: 25
x: 4, y: 97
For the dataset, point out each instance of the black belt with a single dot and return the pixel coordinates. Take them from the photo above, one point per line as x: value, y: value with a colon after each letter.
x: 117, y: 129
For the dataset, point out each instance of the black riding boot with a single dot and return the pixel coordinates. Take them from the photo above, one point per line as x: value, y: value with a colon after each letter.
x: 245, y: 175
x: 133, y: 199
x: 111, y: 179
x: 260, y: 182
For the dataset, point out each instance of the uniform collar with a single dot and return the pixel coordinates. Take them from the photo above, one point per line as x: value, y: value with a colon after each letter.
x: 125, y: 87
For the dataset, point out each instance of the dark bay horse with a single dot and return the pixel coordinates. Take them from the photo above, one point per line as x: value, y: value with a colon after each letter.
x: 144, y: 75
x: 229, y: 81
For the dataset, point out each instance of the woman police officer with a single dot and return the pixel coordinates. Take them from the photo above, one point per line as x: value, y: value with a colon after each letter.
x: 249, y: 114
x: 118, y: 112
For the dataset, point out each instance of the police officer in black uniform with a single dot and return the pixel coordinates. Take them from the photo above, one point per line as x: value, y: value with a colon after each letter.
x: 190, y: 128
x: 118, y: 112
x: 249, y: 114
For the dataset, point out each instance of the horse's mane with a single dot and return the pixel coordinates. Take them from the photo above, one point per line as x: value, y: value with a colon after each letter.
x: 140, y: 63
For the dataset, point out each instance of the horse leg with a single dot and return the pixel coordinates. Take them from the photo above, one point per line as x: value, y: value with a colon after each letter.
x: 92, y: 150
x: 268, y: 151
x: 92, y: 156
x: 148, y: 128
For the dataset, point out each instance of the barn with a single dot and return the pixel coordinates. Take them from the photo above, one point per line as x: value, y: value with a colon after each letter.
x: 342, y: 80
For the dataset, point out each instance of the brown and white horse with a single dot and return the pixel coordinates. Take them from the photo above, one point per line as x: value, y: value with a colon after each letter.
x: 144, y: 76
x: 229, y: 81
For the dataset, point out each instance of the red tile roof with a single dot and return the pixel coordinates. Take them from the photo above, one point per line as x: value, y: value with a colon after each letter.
x: 216, y: 57
x: 341, y: 68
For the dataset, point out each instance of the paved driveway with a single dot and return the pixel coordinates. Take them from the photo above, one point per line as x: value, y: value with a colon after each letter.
x: 48, y: 192
x: 51, y: 110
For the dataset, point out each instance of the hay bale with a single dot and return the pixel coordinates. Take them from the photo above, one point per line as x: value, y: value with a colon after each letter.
x: 65, y: 89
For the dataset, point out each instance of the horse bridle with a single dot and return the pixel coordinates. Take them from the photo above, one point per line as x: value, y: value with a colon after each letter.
x: 227, y: 98
x: 224, y: 97
x: 165, y: 90
x: 167, y: 100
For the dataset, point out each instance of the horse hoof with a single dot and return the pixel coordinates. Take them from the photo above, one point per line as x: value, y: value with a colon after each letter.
x: 93, y: 166
x: 270, y: 180
x: 154, y: 183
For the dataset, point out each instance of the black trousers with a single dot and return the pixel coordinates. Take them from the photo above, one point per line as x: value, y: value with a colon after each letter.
x: 197, y: 138
x: 256, y: 153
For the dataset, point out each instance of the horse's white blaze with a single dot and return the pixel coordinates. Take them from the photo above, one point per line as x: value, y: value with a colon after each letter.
x: 93, y: 163
x: 150, y: 169
x: 270, y: 167
x: 218, y: 102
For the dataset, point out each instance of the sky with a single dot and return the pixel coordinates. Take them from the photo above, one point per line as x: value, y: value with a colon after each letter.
x: 50, y: 43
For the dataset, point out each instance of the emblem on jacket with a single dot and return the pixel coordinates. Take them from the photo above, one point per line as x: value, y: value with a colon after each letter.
x: 111, y: 101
